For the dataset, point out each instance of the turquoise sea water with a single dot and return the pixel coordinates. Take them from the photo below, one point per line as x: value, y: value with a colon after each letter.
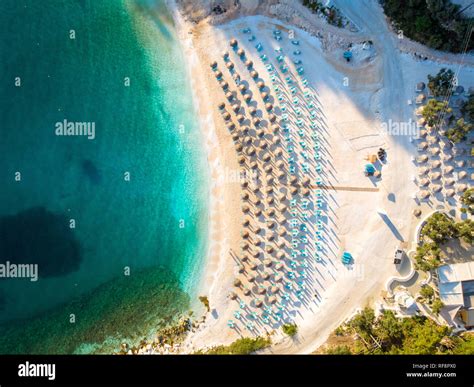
x: 154, y: 224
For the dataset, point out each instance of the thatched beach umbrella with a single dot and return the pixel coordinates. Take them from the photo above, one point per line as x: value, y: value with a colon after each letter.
x: 449, y: 169
x: 434, y: 151
x: 237, y: 283
x: 245, y: 234
x: 435, y: 164
x: 448, y: 157
x: 272, y: 300
x: 235, y: 107
x: 252, y: 278
x: 241, y: 159
x: 422, y: 159
x: 258, y: 303
x: 248, y: 63
x: 424, y: 182
x: 306, y: 191
x: 293, y: 191
x: 247, y: 98
x: 435, y: 176
x: 254, y: 74
x: 232, y: 295
x: 279, y: 266
x: 266, y: 157
x: 293, y: 180
x: 462, y: 175
x: 278, y: 278
x: 417, y: 212
x: 270, y: 180
x: 253, y: 266
x: 424, y: 194
x: 229, y: 95
x: 449, y: 182
x: 271, y: 224
x: 258, y: 230
x: 246, y: 291
x: 245, y: 130
x: 269, y: 190
x: 270, y: 200
x: 226, y: 116
x: 240, y: 268
x: 225, y: 54
x: 280, y: 164
x: 235, y: 136
x: 245, y: 209
x: 254, y: 165
x: 258, y: 212
x: 260, y: 84
x: 450, y: 193
x: 265, y: 95
x: 224, y: 85
x: 423, y: 171
x: 306, y: 181
x: 281, y: 244
x: 267, y: 262
x: 423, y: 145
x: 256, y: 121
x: 268, y: 106
x: 268, y: 169
x: 461, y: 163
x: 218, y: 74
x: 250, y: 150
x: 238, y: 147
x: 246, y: 222
x: 240, y: 52
x: 243, y: 89
x: 461, y: 187
x: 221, y: 106
x: 233, y: 43
x: 213, y: 65
x: 265, y: 275
x: 437, y: 188
x: 240, y: 118
x: 252, y: 111
x: 271, y: 212
x: 282, y: 232
x: 229, y: 65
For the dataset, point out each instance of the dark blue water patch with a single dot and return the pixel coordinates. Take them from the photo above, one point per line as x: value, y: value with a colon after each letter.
x: 38, y: 236
x: 91, y: 171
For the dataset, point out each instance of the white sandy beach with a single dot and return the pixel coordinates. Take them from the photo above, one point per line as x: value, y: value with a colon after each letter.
x: 365, y: 216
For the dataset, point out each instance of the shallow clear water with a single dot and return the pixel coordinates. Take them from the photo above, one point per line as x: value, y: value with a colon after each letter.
x: 155, y: 220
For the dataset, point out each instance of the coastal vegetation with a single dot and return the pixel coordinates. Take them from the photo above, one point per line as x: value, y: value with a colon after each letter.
x: 434, y: 112
x: 389, y: 334
x: 205, y: 302
x: 438, y: 114
x: 243, y: 346
x: 441, y: 83
x: 467, y: 200
x: 290, y: 329
x: 439, y: 24
x: 437, y: 231
x: 331, y: 13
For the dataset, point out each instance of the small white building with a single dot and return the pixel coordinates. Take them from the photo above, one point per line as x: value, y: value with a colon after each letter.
x: 456, y: 291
